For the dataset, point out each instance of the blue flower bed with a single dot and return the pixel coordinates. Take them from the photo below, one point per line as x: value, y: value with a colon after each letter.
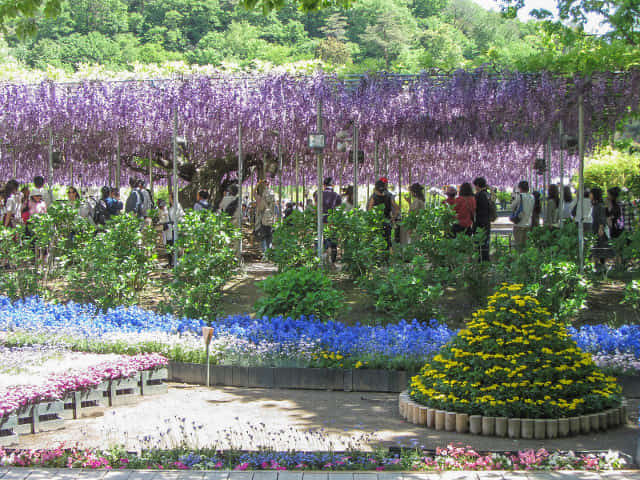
x: 415, y: 340
x: 404, y: 339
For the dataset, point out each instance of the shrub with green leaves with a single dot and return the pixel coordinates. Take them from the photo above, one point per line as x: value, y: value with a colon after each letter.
x: 207, y: 247
x: 294, y: 241
x: 408, y: 290
x: 111, y: 266
x: 359, y: 235
x: 297, y: 292
x: 20, y: 277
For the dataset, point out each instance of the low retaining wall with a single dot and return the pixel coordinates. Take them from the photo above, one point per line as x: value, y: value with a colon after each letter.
x: 355, y: 380
x: 390, y: 381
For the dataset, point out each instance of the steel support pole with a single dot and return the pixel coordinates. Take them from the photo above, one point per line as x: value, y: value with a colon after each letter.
x: 579, y: 211
x: 376, y: 162
x: 280, y: 173
x: 174, y: 149
x: 561, y: 133
x: 150, y: 175
x: 400, y: 182
x: 50, y: 163
x: 240, y: 181
x: 118, y: 161
x: 320, y: 167
x: 297, y: 181
x: 355, y: 147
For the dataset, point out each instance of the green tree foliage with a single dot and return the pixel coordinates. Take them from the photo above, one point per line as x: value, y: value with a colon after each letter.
x: 395, y: 35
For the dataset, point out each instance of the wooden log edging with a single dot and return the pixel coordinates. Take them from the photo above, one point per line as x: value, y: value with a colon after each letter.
x: 526, y: 428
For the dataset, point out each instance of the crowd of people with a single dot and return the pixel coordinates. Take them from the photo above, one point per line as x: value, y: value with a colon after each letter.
x: 474, y: 205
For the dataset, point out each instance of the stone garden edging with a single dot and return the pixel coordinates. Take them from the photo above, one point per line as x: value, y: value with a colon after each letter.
x: 525, y: 428
x: 349, y: 380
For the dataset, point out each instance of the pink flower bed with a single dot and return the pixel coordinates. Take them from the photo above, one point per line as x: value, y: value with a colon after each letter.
x: 57, y: 386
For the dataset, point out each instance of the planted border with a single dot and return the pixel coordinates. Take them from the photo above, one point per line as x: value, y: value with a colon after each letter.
x: 525, y: 428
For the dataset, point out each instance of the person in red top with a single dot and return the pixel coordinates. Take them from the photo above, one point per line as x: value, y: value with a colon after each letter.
x: 465, y: 207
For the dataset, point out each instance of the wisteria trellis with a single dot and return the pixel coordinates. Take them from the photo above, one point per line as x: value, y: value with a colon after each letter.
x: 446, y: 129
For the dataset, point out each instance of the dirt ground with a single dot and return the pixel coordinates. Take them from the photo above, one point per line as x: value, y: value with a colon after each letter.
x: 246, y: 418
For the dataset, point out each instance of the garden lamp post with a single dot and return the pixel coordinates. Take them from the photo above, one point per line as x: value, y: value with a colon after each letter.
x: 207, y: 335
x: 317, y: 143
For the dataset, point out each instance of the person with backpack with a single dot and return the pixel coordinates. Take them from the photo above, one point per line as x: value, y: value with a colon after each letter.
x: 134, y: 200
x: 230, y: 201
x: 523, y: 208
x: 101, y: 212
x: 265, y: 215
x: 382, y: 196
x: 486, y: 212
x: 202, y: 201
x: 147, y: 199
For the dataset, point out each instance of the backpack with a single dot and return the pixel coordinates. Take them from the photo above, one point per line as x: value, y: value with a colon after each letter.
x: 101, y: 213
x: 268, y: 217
x: 493, y: 210
x: 516, y: 216
x: 231, y: 208
x: 134, y: 203
x: 204, y: 204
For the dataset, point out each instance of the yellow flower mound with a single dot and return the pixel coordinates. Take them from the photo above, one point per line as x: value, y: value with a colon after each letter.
x: 513, y: 359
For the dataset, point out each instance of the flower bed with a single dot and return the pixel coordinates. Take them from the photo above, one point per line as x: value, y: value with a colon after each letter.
x: 513, y: 359
x: 273, y: 342
x: 16, y: 398
x: 442, y: 459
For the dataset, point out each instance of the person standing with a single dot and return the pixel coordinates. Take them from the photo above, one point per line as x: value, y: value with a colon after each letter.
x: 12, y: 204
x: 169, y: 217
x: 382, y: 196
x: 265, y: 215
x: 552, y: 210
x: 600, y: 229
x: 330, y: 200
x: 417, y: 198
x: 482, y: 223
x: 522, y: 208
x: 202, y: 201
x: 134, y: 200
x: 587, y: 207
x: 348, y: 202
x: 465, y: 208
x: 47, y: 196
x: 568, y: 203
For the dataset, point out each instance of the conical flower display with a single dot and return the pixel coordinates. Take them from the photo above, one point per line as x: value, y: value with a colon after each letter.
x: 513, y: 359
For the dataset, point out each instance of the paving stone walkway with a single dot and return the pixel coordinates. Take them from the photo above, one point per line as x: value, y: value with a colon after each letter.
x: 66, y: 474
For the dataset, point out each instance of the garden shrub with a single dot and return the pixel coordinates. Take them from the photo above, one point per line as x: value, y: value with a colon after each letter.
x: 632, y: 295
x: 514, y: 359
x: 19, y: 278
x: 112, y: 265
x: 297, y: 292
x: 431, y: 238
x: 207, y: 246
x: 408, y: 290
x: 294, y: 241
x: 359, y: 235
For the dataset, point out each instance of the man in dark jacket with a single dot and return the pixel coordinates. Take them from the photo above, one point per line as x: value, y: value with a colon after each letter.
x: 482, y: 216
